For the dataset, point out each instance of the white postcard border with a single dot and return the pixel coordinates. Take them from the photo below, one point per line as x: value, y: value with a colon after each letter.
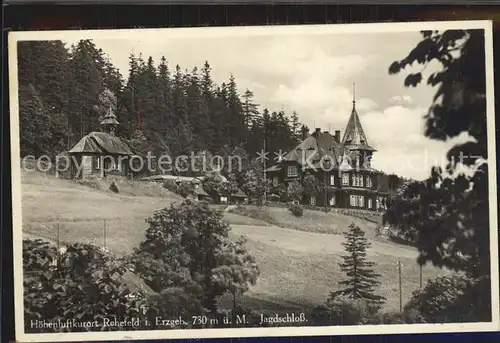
x: 15, y: 37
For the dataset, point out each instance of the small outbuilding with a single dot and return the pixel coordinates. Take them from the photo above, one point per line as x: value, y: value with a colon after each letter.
x: 101, y: 154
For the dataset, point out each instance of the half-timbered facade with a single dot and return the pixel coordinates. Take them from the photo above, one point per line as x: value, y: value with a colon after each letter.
x: 341, y: 167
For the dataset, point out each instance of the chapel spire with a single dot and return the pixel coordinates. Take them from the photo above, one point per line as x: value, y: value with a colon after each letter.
x: 109, y: 122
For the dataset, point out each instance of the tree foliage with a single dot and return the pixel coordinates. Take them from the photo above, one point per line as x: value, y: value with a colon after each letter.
x: 177, y: 111
x: 455, y: 299
x: 311, y: 185
x: 81, y: 283
x: 295, y: 190
x: 447, y: 215
x: 188, y: 246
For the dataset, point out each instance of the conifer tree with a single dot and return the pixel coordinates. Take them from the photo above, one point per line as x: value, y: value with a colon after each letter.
x: 250, y: 109
x: 362, y: 279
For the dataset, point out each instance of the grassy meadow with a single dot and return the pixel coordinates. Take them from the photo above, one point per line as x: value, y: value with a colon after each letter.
x: 298, y: 258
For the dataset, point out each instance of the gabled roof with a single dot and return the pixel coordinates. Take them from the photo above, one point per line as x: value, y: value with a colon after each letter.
x: 316, y: 146
x: 101, y: 143
x: 354, y: 135
x: 239, y: 194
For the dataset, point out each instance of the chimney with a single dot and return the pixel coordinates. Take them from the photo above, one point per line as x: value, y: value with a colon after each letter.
x: 337, y: 136
x: 318, y: 131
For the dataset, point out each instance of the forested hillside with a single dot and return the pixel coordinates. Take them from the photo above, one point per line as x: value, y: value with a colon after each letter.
x: 161, y: 108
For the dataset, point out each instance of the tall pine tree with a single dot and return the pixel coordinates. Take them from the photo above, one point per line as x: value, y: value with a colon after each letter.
x: 361, y: 278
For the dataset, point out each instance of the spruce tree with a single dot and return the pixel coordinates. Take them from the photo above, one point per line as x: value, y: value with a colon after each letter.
x: 250, y: 109
x: 295, y: 126
x: 362, y: 279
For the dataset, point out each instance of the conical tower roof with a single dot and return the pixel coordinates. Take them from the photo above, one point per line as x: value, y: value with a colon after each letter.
x: 354, y: 135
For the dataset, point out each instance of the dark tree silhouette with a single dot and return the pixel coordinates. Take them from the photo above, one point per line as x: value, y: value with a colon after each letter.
x: 449, y: 216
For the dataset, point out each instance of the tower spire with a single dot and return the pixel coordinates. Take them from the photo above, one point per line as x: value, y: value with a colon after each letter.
x: 353, y: 96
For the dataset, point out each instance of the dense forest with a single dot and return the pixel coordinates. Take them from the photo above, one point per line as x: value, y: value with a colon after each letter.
x: 64, y: 91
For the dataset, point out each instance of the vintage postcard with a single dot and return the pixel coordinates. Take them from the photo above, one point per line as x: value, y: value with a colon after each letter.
x: 254, y: 181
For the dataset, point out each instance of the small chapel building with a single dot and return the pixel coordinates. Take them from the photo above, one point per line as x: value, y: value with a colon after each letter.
x: 101, y: 154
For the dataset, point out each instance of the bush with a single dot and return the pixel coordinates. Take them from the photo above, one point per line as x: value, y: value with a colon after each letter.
x: 82, y: 283
x: 343, y: 311
x: 453, y: 300
x: 114, y: 188
x: 407, y: 317
x: 296, y: 210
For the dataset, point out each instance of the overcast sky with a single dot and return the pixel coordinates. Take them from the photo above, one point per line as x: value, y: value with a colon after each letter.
x: 313, y: 74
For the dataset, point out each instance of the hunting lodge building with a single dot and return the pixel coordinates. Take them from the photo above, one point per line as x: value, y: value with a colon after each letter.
x: 342, y: 168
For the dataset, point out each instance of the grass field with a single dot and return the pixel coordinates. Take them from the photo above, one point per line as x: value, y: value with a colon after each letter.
x: 311, y: 221
x: 299, y: 265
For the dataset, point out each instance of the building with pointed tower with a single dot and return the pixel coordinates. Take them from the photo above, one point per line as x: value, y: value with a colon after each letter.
x: 101, y: 154
x: 341, y: 168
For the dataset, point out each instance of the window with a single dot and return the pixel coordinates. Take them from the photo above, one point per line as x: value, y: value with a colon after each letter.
x: 357, y: 201
x: 292, y: 171
x: 368, y: 181
x: 331, y: 201
x: 332, y: 180
x: 357, y: 180
x: 312, y: 201
x: 275, y: 181
x: 361, y: 201
x: 353, y: 200
x: 345, y: 179
x: 381, y: 203
x: 223, y: 200
x: 97, y: 162
x: 370, y: 203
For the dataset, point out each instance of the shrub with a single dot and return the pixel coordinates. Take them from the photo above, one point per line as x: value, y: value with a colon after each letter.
x: 82, y: 283
x: 296, y: 210
x: 453, y: 299
x: 407, y: 317
x: 114, y: 188
x: 343, y: 311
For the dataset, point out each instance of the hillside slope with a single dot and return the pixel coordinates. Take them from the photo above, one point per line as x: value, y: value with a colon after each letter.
x: 298, y: 268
